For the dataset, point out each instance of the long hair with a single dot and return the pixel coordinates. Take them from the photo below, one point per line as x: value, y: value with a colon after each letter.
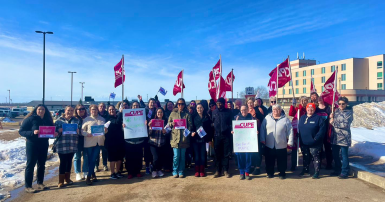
x: 204, y: 109
x: 47, y: 114
x: 164, y: 114
x: 78, y: 106
x: 63, y: 114
x: 185, y: 107
x: 165, y: 106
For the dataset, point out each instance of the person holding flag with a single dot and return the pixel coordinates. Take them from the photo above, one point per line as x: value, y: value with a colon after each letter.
x: 324, y: 110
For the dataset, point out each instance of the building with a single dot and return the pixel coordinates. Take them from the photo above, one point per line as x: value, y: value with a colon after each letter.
x: 359, y: 79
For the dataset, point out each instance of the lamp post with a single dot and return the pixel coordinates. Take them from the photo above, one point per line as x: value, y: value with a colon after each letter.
x: 9, y: 97
x: 72, y: 82
x: 81, y: 98
x: 44, y: 33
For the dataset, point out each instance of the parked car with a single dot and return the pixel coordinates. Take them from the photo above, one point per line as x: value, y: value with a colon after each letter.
x: 59, y: 113
x: 25, y: 113
x: 18, y: 111
x: 4, y: 113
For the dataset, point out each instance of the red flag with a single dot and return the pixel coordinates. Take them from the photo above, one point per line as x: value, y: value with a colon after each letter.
x: 283, y: 73
x: 212, y: 87
x: 222, y: 88
x: 312, y: 87
x: 329, y: 86
x: 273, y: 84
x: 217, y: 69
x: 177, y: 86
x: 229, y: 81
x: 118, y: 73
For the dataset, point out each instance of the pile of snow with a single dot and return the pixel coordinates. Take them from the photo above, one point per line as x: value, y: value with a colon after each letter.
x: 369, y: 143
x: 369, y: 115
x: 7, y: 120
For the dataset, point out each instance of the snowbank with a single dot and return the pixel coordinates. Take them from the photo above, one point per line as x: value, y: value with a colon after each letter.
x: 369, y: 115
x: 369, y: 142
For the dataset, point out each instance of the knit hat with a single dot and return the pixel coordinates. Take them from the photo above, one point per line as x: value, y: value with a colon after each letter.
x: 310, y: 105
x: 221, y: 100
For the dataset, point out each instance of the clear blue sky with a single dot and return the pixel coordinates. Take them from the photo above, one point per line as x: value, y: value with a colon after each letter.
x: 160, y: 38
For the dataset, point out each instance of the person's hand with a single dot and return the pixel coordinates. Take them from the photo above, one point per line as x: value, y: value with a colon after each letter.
x: 192, y: 134
x: 60, y: 130
x: 149, y: 124
x: 237, y: 118
x: 290, y: 145
x: 89, y: 135
x: 105, y: 130
x: 139, y: 97
x: 56, y: 134
x: 124, y: 125
x: 263, y: 142
x: 211, y: 144
x: 232, y: 132
x: 145, y: 122
x: 332, y: 115
x: 36, y: 132
x: 163, y: 131
x: 294, y: 102
x: 77, y: 131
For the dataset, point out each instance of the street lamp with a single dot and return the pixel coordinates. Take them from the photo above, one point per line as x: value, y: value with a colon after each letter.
x: 40, y: 32
x: 81, y: 98
x: 72, y: 82
x: 9, y: 98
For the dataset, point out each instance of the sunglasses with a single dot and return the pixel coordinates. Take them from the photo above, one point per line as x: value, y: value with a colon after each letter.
x: 181, y: 104
x: 341, y: 103
x: 81, y: 109
x: 273, y: 101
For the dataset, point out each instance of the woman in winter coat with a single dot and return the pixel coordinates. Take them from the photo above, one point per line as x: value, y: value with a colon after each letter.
x: 66, y: 145
x: 36, y: 148
x: 276, y: 130
x: 293, y: 112
x: 311, y: 130
x: 179, y: 142
x: 114, y: 142
x: 80, y: 113
x: 323, y: 110
x: 150, y: 114
x: 167, y: 166
x: 203, y: 120
x: 257, y: 114
x: 92, y: 143
x: 341, y: 138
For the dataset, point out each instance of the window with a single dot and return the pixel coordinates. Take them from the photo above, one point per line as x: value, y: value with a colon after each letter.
x: 283, y: 91
x: 323, y: 89
x: 296, y: 82
x: 379, y: 75
x: 304, y: 73
x: 304, y: 82
x: 296, y: 74
x: 379, y: 64
x: 289, y: 91
x: 333, y: 68
x: 343, y: 86
x: 297, y: 91
x: 343, y: 77
x: 290, y: 83
x: 304, y: 90
x: 312, y: 72
x: 323, y: 79
x: 323, y: 70
x: 343, y: 67
x: 379, y: 86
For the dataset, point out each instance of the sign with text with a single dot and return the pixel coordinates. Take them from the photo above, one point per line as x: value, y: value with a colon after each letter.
x: 134, y: 121
x: 245, y: 136
x: 97, y: 130
x: 201, y: 132
x: 70, y: 129
x: 47, y: 131
x: 180, y: 124
x: 157, y: 124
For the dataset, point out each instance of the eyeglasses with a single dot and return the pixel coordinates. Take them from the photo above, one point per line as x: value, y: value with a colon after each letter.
x: 181, y: 104
x: 81, y: 109
x: 273, y: 101
x: 342, y: 103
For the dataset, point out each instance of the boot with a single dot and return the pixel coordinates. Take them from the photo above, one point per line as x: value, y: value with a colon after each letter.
x: 202, y: 171
x: 93, y: 178
x: 226, y: 174
x: 196, y: 171
x: 88, y: 181
x: 61, y: 181
x: 217, y: 174
x: 67, y: 179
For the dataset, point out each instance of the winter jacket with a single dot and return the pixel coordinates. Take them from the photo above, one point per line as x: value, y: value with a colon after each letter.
x: 313, y: 131
x: 156, y: 137
x: 31, y: 124
x: 275, y: 133
x: 325, y: 114
x: 86, y: 129
x: 261, y: 116
x: 104, y: 114
x: 67, y: 143
x: 114, y: 135
x: 239, y: 117
x: 178, y: 140
x: 205, y: 122
x: 222, y: 119
x: 341, y: 134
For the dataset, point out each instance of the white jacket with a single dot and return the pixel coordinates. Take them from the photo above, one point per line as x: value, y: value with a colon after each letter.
x: 86, y: 128
x: 275, y: 133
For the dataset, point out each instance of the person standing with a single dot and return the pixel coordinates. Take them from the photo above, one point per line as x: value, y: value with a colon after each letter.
x: 311, y: 130
x: 323, y: 110
x: 80, y: 113
x: 150, y: 114
x: 169, y: 152
x: 92, y: 143
x: 314, y: 98
x: 256, y: 114
x: 341, y: 121
x: 222, y: 120
x: 103, y: 113
x: 179, y: 142
x: 36, y: 148
x: 276, y: 134
x: 66, y: 145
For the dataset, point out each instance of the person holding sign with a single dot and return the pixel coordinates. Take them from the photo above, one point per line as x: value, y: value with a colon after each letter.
x: 222, y: 119
x: 180, y: 120
x: 199, y: 138
x: 257, y: 114
x: 36, y: 148
x: 150, y: 114
x: 80, y: 113
x: 276, y: 130
x: 66, y: 143
x: 103, y: 113
x: 157, y: 142
x: 93, y: 130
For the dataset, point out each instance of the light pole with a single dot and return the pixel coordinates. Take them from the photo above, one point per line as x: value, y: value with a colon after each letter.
x: 81, y: 98
x: 72, y: 82
x: 40, y: 32
x: 9, y: 98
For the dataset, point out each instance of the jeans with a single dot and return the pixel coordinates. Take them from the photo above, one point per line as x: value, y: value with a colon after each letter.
x: 134, y: 157
x: 179, y: 161
x: 104, y: 156
x: 244, y: 162
x: 36, y: 153
x: 78, y: 160
x: 222, y: 147
x: 280, y: 155
x: 65, y: 163
x: 200, y: 153
x: 344, y: 168
x: 92, y: 153
x: 158, y: 156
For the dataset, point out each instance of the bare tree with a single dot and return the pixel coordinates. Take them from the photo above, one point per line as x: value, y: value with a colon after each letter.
x: 263, y: 92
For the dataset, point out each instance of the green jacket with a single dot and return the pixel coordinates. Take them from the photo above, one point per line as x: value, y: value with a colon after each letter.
x: 178, y: 140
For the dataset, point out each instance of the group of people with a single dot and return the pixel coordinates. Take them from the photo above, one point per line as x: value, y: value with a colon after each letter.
x: 320, y: 131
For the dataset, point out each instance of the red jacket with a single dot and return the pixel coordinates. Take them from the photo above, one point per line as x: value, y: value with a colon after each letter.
x: 293, y: 113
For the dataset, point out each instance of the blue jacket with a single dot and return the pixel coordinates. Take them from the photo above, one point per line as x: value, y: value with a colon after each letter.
x: 312, y: 133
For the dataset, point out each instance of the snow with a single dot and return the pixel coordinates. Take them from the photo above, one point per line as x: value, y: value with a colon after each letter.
x: 369, y: 142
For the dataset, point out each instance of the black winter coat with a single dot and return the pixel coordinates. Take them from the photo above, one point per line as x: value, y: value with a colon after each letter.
x: 29, y: 125
x: 312, y: 132
x: 205, y: 122
x: 222, y: 119
x: 115, y: 135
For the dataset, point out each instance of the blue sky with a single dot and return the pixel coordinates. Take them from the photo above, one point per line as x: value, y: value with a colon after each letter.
x: 160, y: 38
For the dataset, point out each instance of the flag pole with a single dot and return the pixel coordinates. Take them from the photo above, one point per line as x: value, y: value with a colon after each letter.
x: 182, y: 83
x: 277, y: 84
x: 122, y: 78
x: 220, y: 75
x: 334, y: 88
x: 297, y: 137
x: 291, y: 77
x: 232, y: 85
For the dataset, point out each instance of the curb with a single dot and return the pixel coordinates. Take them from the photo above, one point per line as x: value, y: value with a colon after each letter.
x: 367, y: 177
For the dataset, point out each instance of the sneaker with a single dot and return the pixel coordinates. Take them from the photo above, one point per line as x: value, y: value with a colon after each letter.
x: 148, y: 171
x: 113, y: 177
x: 96, y: 169
x: 85, y: 175
x: 176, y: 176
x: 119, y: 175
x: 241, y: 177
x: 257, y: 171
x: 316, y: 175
x: 181, y: 176
x: 139, y: 175
x: 226, y: 174
x: 217, y: 174
x: 154, y: 174
x: 30, y: 190
x: 342, y: 176
x: 335, y: 173
x: 78, y: 177
x: 105, y: 168
x: 41, y: 187
x: 160, y: 173
x: 129, y: 177
x: 247, y: 176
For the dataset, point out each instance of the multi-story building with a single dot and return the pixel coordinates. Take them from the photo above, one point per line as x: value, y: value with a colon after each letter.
x: 359, y: 79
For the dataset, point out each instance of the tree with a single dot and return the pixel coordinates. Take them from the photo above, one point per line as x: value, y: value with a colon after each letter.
x: 80, y: 101
x: 263, y: 92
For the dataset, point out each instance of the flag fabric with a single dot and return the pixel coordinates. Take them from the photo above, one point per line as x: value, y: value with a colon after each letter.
x: 177, y: 86
x: 257, y: 95
x: 222, y: 88
x: 112, y: 95
x: 330, y: 86
x: 273, y: 84
x: 283, y: 73
x: 312, y: 87
x: 162, y: 91
x: 217, y: 70
x: 118, y: 73
x: 212, y: 86
x: 229, y: 81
